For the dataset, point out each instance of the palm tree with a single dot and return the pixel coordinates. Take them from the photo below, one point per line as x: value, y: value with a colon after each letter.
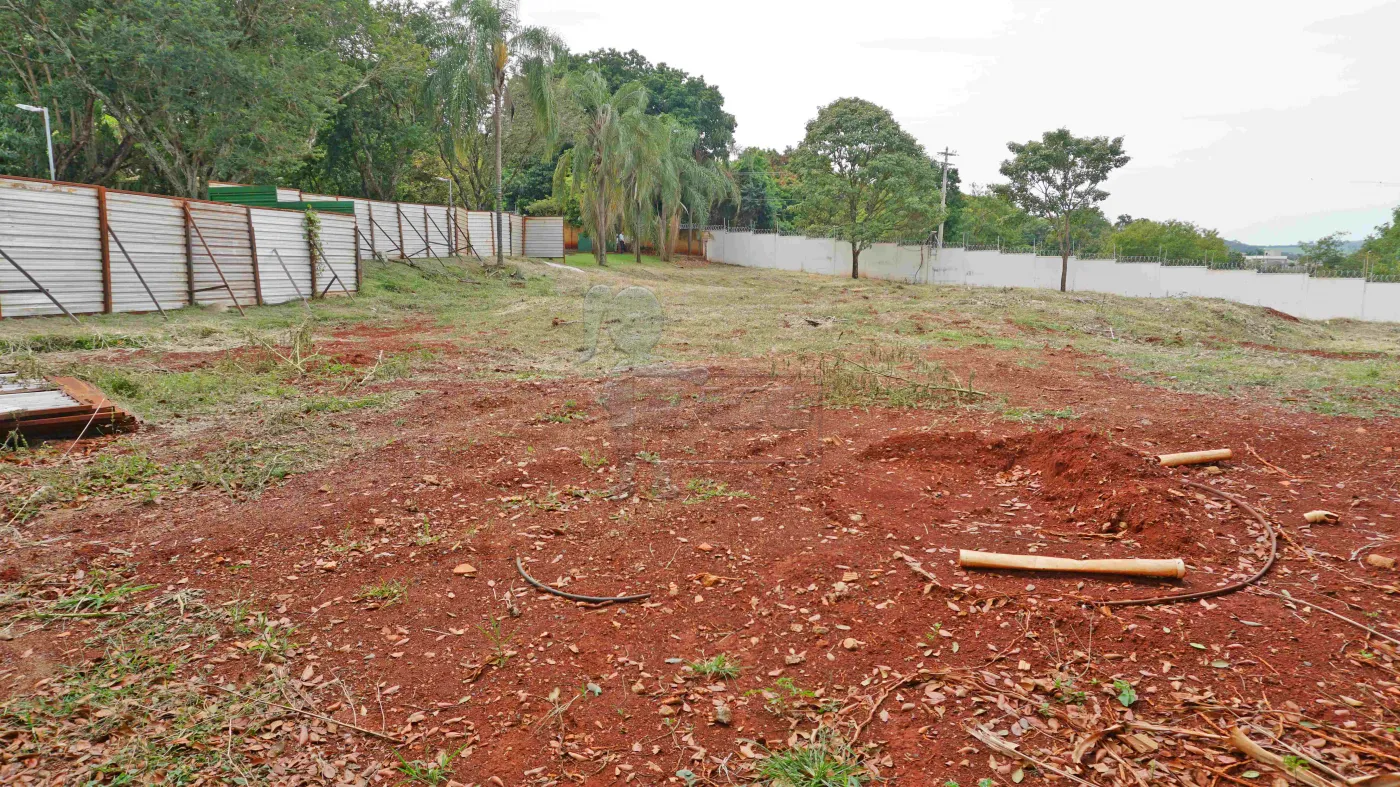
x: 643, y: 163
x: 595, y: 168
x: 685, y: 182
x: 489, y: 47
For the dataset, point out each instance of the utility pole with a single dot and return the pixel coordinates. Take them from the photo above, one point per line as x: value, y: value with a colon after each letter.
x: 943, y: 200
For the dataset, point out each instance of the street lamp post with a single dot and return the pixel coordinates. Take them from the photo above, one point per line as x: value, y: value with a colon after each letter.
x: 48, y: 134
x: 448, y: 181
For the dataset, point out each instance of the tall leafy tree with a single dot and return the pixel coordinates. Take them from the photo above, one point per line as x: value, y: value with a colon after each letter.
x: 670, y: 91
x: 1176, y: 240
x: 764, y: 190
x: 864, y: 179
x: 378, y: 138
x: 687, y: 181
x: 1329, y: 251
x: 594, y: 168
x: 643, y: 157
x: 488, y: 46
x: 987, y: 218
x: 1057, y: 177
x: 201, y: 88
x: 1380, y: 251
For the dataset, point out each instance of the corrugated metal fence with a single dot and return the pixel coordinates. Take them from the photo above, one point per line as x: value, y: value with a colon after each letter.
x: 102, y: 250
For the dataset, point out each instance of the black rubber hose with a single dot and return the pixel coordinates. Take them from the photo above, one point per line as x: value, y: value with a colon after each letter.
x: 574, y: 596
x: 1231, y: 588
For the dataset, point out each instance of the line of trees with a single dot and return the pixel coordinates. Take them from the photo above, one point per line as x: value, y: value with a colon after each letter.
x: 383, y: 99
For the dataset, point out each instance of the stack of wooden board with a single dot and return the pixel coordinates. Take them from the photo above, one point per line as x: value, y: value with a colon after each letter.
x: 61, y: 407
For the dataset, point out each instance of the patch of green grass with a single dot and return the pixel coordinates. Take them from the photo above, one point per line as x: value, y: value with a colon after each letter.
x: 895, y: 377
x: 1330, y: 386
x: 389, y: 591
x: 340, y: 404
x: 569, y: 411
x: 592, y: 460
x: 720, y: 667
x: 827, y: 761
x: 143, y: 701
x: 702, y: 489
x: 1027, y: 415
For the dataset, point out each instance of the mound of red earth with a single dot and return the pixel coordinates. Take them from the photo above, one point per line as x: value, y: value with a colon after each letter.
x: 1074, y: 480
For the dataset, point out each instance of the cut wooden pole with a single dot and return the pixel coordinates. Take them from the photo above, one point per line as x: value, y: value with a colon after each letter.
x: 1174, y: 567
x: 1194, y: 457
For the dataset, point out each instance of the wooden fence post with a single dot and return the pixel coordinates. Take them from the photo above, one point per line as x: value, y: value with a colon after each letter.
x: 359, y: 261
x: 106, y: 250
x: 403, y: 252
x: 257, y: 276
x: 311, y: 247
x: 189, y: 252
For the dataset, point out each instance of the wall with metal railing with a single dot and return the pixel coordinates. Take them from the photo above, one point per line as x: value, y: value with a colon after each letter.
x: 1317, y: 295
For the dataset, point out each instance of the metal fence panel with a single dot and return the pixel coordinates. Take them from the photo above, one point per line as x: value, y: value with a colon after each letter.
x: 152, y: 230
x: 385, y: 225
x: 415, y: 226
x: 338, y: 242
x: 439, y: 231
x: 225, y: 229
x: 363, y: 238
x: 480, y: 229
x: 288, y: 195
x: 51, y: 230
x: 460, y: 220
x: 282, y: 233
x: 544, y: 236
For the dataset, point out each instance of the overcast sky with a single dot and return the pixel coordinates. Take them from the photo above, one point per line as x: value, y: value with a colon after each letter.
x: 1269, y: 121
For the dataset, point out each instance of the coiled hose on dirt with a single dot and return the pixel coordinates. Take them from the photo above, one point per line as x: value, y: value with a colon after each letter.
x: 1231, y: 588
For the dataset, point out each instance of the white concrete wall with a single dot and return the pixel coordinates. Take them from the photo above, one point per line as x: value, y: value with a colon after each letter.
x: 1295, y: 294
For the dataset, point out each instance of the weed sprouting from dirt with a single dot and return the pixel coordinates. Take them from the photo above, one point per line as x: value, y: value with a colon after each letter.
x: 385, y: 593
x: 498, y: 640
x: 432, y: 772
x: 785, y: 698
x: 702, y: 489
x: 720, y: 667
x: 569, y: 411
x: 300, y: 348
x: 425, y: 535
x: 825, y: 761
x: 591, y: 460
x: 273, y: 640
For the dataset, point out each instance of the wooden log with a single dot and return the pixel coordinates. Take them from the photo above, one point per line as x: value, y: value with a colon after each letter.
x: 1194, y: 457
x: 1174, y: 567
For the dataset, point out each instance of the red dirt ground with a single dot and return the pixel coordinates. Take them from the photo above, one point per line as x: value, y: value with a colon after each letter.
x: 805, y: 580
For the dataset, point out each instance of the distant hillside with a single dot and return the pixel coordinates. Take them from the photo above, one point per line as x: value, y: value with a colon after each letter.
x: 1294, y: 250
x: 1242, y: 248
